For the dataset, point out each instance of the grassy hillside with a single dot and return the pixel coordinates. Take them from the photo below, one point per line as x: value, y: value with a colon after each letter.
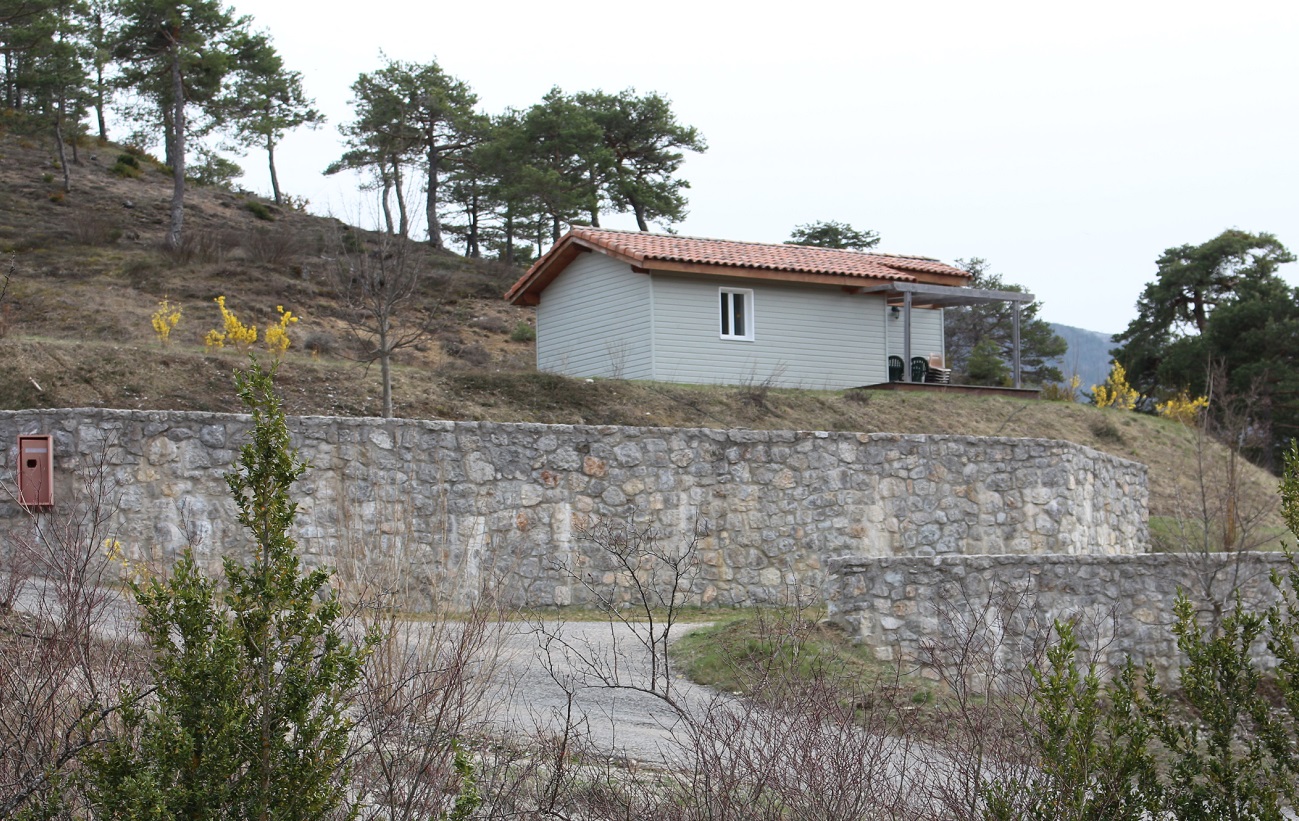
x: 88, y: 272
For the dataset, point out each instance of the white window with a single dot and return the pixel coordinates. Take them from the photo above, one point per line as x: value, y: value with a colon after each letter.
x: 737, y: 314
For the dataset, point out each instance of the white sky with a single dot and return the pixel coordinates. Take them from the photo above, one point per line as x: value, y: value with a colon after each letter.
x: 1068, y: 144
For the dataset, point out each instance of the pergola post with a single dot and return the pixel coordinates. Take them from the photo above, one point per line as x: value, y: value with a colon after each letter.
x: 906, y: 336
x: 1015, y: 338
x: 947, y: 296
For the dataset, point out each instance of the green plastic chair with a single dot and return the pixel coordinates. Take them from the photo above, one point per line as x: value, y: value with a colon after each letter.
x: 895, y: 368
x: 919, y: 366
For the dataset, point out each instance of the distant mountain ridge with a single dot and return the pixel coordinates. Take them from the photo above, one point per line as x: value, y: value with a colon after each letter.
x: 1088, y: 354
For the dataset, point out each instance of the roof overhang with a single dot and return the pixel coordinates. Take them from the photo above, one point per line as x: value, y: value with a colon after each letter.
x: 925, y: 295
x: 887, y: 273
x: 527, y: 291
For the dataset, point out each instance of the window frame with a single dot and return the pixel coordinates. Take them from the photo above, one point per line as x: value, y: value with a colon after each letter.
x: 726, y: 296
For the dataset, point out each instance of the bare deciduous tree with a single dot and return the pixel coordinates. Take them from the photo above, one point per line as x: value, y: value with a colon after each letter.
x: 383, y: 290
x: 1216, y: 511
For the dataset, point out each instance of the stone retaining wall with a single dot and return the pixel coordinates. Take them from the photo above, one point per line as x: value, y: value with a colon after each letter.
x: 443, y: 506
x: 921, y: 610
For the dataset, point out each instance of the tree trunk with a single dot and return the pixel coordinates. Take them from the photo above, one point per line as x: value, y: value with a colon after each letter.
x: 471, y: 235
x: 640, y: 214
x: 275, y: 180
x: 555, y: 226
x: 178, y: 153
x: 9, y: 81
x: 431, y: 204
x: 63, y: 155
x: 385, y: 368
x: 509, y: 236
x: 403, y: 219
x: 1201, y: 316
x: 99, y: 75
x: 384, y: 203
x: 168, y: 130
x: 99, y: 108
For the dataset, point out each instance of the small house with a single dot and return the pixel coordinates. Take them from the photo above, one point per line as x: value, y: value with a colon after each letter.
x: 633, y: 305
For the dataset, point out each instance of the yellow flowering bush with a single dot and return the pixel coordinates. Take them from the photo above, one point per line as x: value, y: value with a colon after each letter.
x: 233, y: 331
x: 130, y: 570
x: 165, y: 320
x: 277, y: 335
x: 1116, y: 392
x: 1182, y: 408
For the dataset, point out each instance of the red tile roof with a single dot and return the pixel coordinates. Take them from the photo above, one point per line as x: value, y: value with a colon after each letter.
x: 696, y: 254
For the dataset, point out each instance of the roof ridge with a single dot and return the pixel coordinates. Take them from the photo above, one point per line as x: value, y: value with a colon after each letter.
x: 633, y: 232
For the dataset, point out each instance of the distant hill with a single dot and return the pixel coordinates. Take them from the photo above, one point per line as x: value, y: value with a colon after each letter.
x: 1088, y: 354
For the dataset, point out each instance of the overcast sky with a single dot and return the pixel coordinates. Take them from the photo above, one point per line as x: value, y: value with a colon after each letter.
x: 1068, y: 144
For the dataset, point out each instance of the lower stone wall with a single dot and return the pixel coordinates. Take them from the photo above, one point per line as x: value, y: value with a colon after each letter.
x: 445, y: 507
x: 921, y: 611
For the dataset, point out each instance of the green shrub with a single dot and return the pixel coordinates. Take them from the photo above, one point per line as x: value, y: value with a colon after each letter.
x: 127, y: 166
x: 259, y: 210
x: 523, y: 332
x: 1219, y: 746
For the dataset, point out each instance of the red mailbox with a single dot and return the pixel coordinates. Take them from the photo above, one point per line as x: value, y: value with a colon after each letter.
x: 36, y: 471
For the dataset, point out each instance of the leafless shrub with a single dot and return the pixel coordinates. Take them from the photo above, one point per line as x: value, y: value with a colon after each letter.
x: 90, y: 228
x: 645, y: 581
x: 490, y: 323
x: 1214, y: 512
x: 756, y: 392
x: 271, y: 246
x: 471, y: 353
x: 982, y: 653
x: 428, y: 689
x: 65, y: 651
x: 423, y: 692
x: 858, y: 396
x: 205, y: 245
x: 474, y: 354
x: 810, y: 758
x: 319, y: 343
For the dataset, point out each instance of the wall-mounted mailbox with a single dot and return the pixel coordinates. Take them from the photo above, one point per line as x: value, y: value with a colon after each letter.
x: 36, y: 471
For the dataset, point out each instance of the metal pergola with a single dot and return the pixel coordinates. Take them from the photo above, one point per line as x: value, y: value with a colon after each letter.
x: 909, y: 294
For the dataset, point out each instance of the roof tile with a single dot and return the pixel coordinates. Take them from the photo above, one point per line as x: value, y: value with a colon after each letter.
x: 666, y: 250
x: 648, y: 248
